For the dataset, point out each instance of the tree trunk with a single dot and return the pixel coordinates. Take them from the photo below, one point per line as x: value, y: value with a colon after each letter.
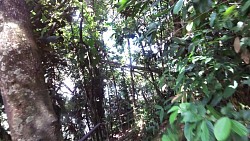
x: 26, y: 100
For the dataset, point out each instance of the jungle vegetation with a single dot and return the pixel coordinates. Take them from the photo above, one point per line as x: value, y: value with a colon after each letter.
x: 169, y: 70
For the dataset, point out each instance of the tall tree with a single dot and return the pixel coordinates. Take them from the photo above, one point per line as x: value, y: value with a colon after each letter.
x: 26, y: 100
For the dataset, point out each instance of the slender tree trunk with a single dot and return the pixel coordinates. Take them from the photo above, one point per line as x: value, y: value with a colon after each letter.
x: 26, y: 100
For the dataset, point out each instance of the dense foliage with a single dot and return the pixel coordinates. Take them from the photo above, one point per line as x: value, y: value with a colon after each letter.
x: 171, y: 70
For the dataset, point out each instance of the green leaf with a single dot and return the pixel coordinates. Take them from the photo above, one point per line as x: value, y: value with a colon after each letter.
x: 213, y: 112
x: 208, y: 59
x: 245, y: 114
x: 161, y: 115
x: 123, y: 4
x: 178, y: 6
x: 211, y: 130
x: 222, y: 128
x: 188, y: 131
x: 227, y: 110
x: 191, y: 117
x: 188, y: 117
x: 178, y: 40
x: 201, y: 110
x: 229, y: 91
x: 245, y: 6
x: 192, y: 46
x: 180, y: 77
x: 174, y: 108
x: 197, y: 132
x: 238, y: 128
x: 216, y: 99
x: 185, y: 106
x: 161, y: 112
x: 165, y: 138
x: 205, y: 136
x: 172, y: 117
x: 212, y: 19
x: 158, y: 107
x: 205, y: 89
x: 229, y: 11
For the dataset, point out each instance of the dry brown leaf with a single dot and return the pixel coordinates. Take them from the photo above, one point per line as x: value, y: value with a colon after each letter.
x: 237, y: 44
x: 176, y: 98
x: 245, y: 55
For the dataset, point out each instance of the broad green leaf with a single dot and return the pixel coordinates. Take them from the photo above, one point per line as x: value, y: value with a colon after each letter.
x: 174, y: 108
x: 172, y: 117
x: 216, y: 99
x: 212, y: 19
x: 158, y: 107
x: 245, y: 6
x: 229, y: 91
x: 238, y: 128
x: 229, y: 11
x: 197, y: 132
x: 211, y: 130
x: 178, y: 6
x: 213, y: 112
x: 188, y: 116
x: 122, y: 2
x: 227, y: 110
x: 205, y: 136
x: 188, y: 131
x: 185, y: 106
x: 165, y: 138
x: 245, y: 114
x: 191, y: 117
x: 201, y: 110
x: 184, y: 13
x: 222, y: 128
x: 179, y: 40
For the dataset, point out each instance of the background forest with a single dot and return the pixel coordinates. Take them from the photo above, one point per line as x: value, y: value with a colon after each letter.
x: 147, y: 70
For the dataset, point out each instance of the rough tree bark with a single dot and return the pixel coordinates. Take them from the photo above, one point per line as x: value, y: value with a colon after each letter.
x: 27, y: 103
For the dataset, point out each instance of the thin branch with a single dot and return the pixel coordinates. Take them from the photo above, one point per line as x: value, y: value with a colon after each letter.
x: 120, y: 65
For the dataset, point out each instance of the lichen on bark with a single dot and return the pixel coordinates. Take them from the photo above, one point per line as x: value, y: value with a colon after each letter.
x: 27, y: 103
